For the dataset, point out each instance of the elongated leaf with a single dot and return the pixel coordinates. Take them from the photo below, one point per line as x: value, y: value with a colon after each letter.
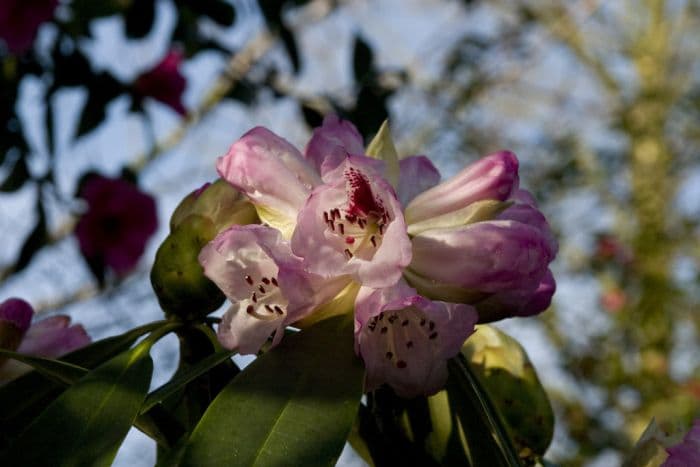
x: 61, y: 372
x: 24, y: 398
x: 174, y: 385
x: 477, y: 420
x: 294, y: 405
x: 88, y: 422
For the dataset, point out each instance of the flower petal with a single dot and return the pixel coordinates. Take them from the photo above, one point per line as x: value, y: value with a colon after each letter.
x: 353, y: 225
x: 254, y: 267
x: 523, y: 302
x: 405, y: 340
x: 17, y: 312
x: 493, y: 177
x: 417, y: 174
x: 272, y: 173
x: 524, y: 210
x: 486, y: 256
x: 686, y: 453
x: 53, y: 337
x: 332, y: 142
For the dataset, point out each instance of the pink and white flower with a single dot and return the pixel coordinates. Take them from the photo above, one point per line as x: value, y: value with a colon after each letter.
x: 353, y: 224
x: 687, y: 452
x: 267, y: 285
x: 272, y: 174
x: 51, y: 337
x: 405, y: 339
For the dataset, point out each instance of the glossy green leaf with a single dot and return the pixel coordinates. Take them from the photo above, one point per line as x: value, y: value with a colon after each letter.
x: 294, y: 405
x: 477, y: 422
x: 61, y: 372
x: 187, y: 376
x: 23, y: 399
x: 87, y: 423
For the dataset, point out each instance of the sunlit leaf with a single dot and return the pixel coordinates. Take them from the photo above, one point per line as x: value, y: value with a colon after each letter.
x: 87, y: 423
x: 292, y: 406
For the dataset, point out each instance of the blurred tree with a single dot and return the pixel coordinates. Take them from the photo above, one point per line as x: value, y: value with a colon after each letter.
x: 629, y: 75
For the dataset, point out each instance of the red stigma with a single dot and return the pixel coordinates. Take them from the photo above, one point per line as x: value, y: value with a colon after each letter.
x: 362, y: 201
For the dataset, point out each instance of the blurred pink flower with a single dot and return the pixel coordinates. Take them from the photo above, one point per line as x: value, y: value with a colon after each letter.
x: 164, y: 82
x: 51, y: 337
x: 687, y: 452
x: 20, y: 20
x: 119, y: 220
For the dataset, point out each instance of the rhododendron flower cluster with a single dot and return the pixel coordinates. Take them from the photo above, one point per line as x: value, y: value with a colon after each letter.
x: 50, y: 337
x: 424, y: 261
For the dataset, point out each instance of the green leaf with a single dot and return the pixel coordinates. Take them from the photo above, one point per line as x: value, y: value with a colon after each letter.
x: 174, y: 385
x: 382, y: 147
x: 504, y: 370
x: 23, y: 399
x: 88, y: 422
x: 478, y: 422
x: 61, y: 372
x: 294, y: 405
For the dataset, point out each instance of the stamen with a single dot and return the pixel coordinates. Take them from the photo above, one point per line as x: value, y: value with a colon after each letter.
x: 325, y: 217
x: 266, y: 281
x: 279, y: 310
x: 433, y: 335
x: 269, y: 308
x: 250, y: 310
x: 384, y: 330
x: 401, y: 364
x: 249, y: 279
x: 261, y: 289
x: 348, y: 253
x: 422, y: 322
x: 381, y: 229
x: 274, y: 282
x: 374, y: 242
x: 331, y: 225
x: 341, y: 227
x: 349, y: 240
x: 409, y: 344
x: 255, y: 298
x: 389, y: 355
x: 431, y: 326
x: 404, y: 323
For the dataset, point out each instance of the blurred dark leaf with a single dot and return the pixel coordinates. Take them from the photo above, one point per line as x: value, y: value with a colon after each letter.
x: 362, y: 60
x: 17, y: 176
x: 70, y: 70
x: 35, y: 240
x: 370, y: 110
x: 219, y: 11
x: 93, y: 114
x: 243, y: 91
x: 272, y: 11
x: 139, y: 18
x: 312, y: 117
x: 290, y: 45
x: 102, y: 88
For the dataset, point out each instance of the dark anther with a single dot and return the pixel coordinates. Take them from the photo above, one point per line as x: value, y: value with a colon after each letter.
x: 250, y: 310
x: 261, y: 289
x: 249, y: 279
x: 383, y: 330
x: 389, y: 355
x: 433, y: 335
x: 400, y: 364
x: 266, y: 281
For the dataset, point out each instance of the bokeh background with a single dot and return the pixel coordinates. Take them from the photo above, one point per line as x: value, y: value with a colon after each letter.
x: 599, y: 99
